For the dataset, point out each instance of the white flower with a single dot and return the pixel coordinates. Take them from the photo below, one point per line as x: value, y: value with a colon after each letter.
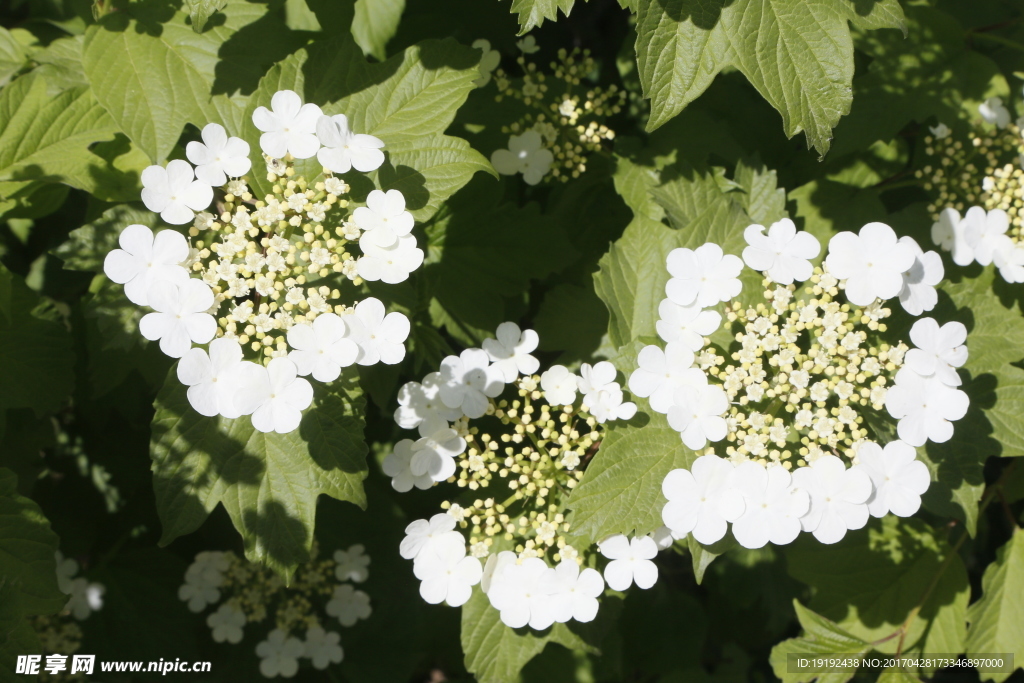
x: 838, y: 498
x: 660, y: 373
x: 434, y: 455
x: 985, y: 233
x: 525, y: 154
x: 783, y: 254
x: 630, y: 561
x: 144, y: 259
x: 380, y: 337
x: 704, y: 275
x: 918, y: 293
x: 495, y: 566
x: 390, y: 264
x: 218, y: 157
x: 686, y: 324
x: 384, y: 218
x: 352, y: 564
x: 940, y: 350
x: 940, y: 131
x: 898, y: 477
x: 772, y: 506
x: 289, y: 126
x: 279, y: 654
x: 559, y: 385
x: 322, y: 349
x: 521, y: 592
x: 594, y: 378
x: 174, y: 193
x: 420, y: 405
x: 663, y: 537
x: 574, y: 593
x: 214, y: 379
x: 467, y: 380
x: 342, y: 149
x: 872, y: 262
x: 993, y: 111
x: 925, y: 407
x: 85, y: 599
x: 227, y: 624
x: 275, y: 397
x: 527, y: 45
x: 510, y: 351
x: 446, y: 573
x: 607, y: 404
x: 488, y: 62
x: 179, y: 316
x: 348, y: 605
x: 421, y: 534
x: 696, y: 413
x: 949, y: 233
x: 701, y: 500
x: 1011, y: 264
x: 66, y: 568
x: 323, y: 647
x: 398, y: 465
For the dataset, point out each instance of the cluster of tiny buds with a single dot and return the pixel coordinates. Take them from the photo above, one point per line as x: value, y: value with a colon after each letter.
x: 263, y: 253
x: 58, y: 634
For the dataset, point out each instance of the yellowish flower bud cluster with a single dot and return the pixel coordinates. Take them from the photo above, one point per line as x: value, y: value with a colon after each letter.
x: 806, y: 370
x: 276, y: 261
x: 58, y: 634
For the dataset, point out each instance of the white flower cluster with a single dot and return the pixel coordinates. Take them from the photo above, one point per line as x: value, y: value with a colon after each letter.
x: 258, y: 269
x: 980, y: 236
x: 254, y: 590
x: 86, y: 596
x: 813, y: 360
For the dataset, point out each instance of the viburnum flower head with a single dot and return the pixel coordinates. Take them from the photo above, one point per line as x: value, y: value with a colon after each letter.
x: 420, y: 405
x: 772, y: 506
x: 144, y: 259
x: 918, y: 293
x: 214, y: 378
x: 525, y: 154
x: 344, y: 150
x: 705, y: 275
x: 323, y: 647
x: 218, y: 157
x: 279, y: 654
x: 275, y: 397
x: 872, y: 262
x: 686, y: 324
x: 985, y: 233
x: 321, y: 348
x: 468, y: 380
x: 994, y: 111
x: 289, y: 126
x: 421, y: 534
x: 661, y: 372
x: 574, y: 593
x: 398, y: 465
x: 391, y: 264
x: 227, y: 623
x: 940, y: 350
x: 446, y: 573
x: 174, y: 192
x: 630, y: 561
x: 696, y: 413
x: 510, y: 351
x: 559, y: 385
x: 348, y: 605
x: 179, y: 316
x: 925, y: 406
x: 701, y: 500
x: 352, y: 564
x: 383, y: 219
x: 838, y: 497
x: 381, y: 338
x: 783, y: 253
x: 949, y: 233
x: 522, y: 594
x: 898, y: 478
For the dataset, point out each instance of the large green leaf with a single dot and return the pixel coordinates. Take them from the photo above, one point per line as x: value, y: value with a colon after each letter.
x: 532, y: 13
x: 268, y: 483
x: 12, y: 56
x: 374, y: 24
x: 797, y: 53
x: 996, y: 619
x: 821, y: 637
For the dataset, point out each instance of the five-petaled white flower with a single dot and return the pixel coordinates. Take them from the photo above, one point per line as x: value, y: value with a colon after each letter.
x: 467, y: 381
x: 985, y: 233
x: 422, y: 533
x: 214, y: 379
x: 783, y: 253
x: 772, y: 506
x: 227, y: 624
x: 289, y: 126
x: 383, y: 219
x: 174, y: 192
x: 420, y: 405
x: 559, y: 385
x: 352, y: 564
x: 630, y: 561
x: 279, y: 654
x: 391, y: 264
x: 994, y: 111
x: 594, y: 378
x: 521, y: 592
x: 660, y: 373
x: 1010, y: 263
x: 321, y: 348
x: 218, y: 157
x: 925, y: 406
x: 696, y: 413
x: 144, y: 259
x: 398, y: 465
x: 275, y: 397
x: 344, y: 150
x: 510, y: 351
x: 704, y: 275
x: 701, y: 500
x: 348, y: 605
x: 949, y: 233
x: 575, y: 592
x: 488, y: 62
x: 686, y: 324
x: 872, y: 262
x: 838, y: 498
x: 940, y: 350
x: 898, y: 477
x: 323, y: 647
x: 526, y: 154
x: 607, y: 404
x: 446, y: 573
x: 381, y: 338
x: 918, y: 293
x: 179, y: 316
x: 203, y: 579
x: 434, y: 454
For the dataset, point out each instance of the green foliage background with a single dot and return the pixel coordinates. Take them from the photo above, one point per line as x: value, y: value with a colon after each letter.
x: 739, y: 111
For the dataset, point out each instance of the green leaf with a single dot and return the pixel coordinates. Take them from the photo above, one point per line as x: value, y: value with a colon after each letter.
x: 996, y: 619
x: 496, y: 653
x: 571, y: 318
x: 821, y: 637
x: 762, y: 198
x: 375, y: 22
x: 798, y: 54
x: 703, y: 555
x: 27, y: 561
x: 87, y: 246
x: 532, y: 13
x: 12, y: 56
x: 893, y: 675
x: 60, y: 63
x: 200, y: 11
x: 268, y: 483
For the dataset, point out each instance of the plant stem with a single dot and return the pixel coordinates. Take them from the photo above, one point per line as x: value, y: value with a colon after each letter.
x: 1005, y: 42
